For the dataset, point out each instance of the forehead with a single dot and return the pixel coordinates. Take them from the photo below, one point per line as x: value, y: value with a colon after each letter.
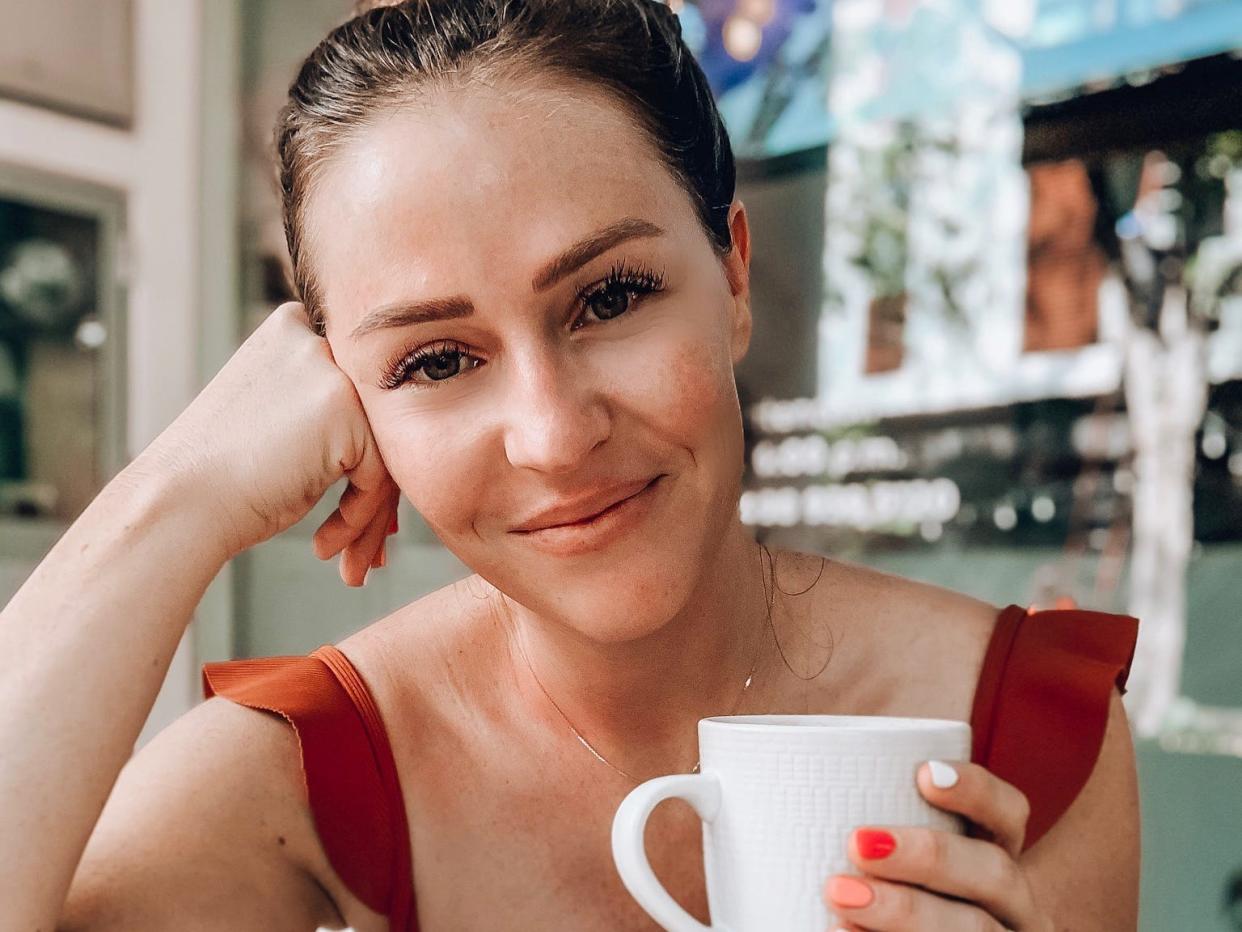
x: 470, y: 188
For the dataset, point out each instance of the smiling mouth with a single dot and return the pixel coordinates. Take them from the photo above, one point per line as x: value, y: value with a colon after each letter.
x: 598, y: 530
x: 600, y: 514
x: 532, y: 527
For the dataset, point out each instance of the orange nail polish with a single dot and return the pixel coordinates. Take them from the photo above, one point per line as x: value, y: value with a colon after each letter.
x: 850, y: 892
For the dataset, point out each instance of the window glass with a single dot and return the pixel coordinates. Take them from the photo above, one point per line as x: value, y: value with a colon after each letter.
x: 51, y: 334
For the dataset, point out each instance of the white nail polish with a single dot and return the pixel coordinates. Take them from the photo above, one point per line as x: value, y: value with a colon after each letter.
x: 943, y: 776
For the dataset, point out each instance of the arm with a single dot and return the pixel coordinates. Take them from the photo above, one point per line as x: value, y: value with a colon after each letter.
x: 207, y: 830
x: 86, y: 643
x: 87, y: 640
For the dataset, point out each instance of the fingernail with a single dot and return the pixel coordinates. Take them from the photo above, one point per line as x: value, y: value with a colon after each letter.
x: 943, y: 776
x: 874, y: 844
x: 365, y: 575
x: 383, y: 554
x: 850, y: 892
x: 392, y: 528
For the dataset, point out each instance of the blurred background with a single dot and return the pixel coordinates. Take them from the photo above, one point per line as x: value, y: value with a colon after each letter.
x: 997, y: 281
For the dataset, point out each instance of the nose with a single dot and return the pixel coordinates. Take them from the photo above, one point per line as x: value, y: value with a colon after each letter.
x: 555, y: 413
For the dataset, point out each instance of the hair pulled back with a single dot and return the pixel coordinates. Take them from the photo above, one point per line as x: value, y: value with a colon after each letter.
x: 631, y: 48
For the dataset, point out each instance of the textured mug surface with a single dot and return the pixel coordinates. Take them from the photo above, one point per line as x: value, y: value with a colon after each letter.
x: 779, y: 796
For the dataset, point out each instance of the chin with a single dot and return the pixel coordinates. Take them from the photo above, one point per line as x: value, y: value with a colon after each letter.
x: 623, y: 594
x: 626, y: 583
x: 626, y: 599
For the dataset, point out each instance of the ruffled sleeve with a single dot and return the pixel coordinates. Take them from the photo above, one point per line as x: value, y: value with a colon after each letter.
x: 350, y: 777
x: 1042, y: 702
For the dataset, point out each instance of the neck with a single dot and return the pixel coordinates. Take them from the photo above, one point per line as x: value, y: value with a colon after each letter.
x: 638, y: 702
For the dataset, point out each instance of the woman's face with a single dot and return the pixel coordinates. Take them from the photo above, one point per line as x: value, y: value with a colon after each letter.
x: 532, y: 317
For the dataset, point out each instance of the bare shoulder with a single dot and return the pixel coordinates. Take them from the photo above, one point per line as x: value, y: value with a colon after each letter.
x: 206, y: 828
x: 426, y: 656
x: 209, y: 826
x: 921, y: 646
x: 908, y: 605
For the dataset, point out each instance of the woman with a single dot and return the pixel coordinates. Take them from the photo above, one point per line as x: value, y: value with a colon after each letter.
x: 524, y: 278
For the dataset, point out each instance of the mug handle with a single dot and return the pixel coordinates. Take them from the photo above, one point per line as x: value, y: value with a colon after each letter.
x: 701, y: 791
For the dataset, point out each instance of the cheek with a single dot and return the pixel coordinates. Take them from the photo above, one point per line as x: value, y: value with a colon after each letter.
x: 678, y: 408
x: 692, y: 396
x: 687, y: 388
x: 434, y: 457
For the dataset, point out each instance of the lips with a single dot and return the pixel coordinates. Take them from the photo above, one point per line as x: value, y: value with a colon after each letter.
x: 582, y: 508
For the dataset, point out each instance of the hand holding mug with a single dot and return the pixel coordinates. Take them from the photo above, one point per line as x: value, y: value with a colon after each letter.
x: 919, y: 878
x: 779, y: 796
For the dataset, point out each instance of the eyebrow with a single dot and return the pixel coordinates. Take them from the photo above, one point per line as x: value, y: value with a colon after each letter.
x: 405, y: 313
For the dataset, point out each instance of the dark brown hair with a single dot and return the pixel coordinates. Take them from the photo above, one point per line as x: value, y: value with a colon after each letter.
x: 633, y: 49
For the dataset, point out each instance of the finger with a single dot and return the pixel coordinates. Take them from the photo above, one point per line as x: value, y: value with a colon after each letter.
x: 361, y: 553
x: 337, y: 531
x: 371, y: 492
x: 882, y: 906
x: 999, y: 808
x: 331, y: 537
x: 966, y: 868
x: 358, y: 505
x: 369, y: 475
x: 349, y: 521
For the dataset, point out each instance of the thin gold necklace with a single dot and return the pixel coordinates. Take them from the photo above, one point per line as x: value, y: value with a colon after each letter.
x: 823, y: 561
x: 769, y: 598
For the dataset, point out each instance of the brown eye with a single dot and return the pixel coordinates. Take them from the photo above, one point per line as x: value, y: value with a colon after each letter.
x: 609, y: 302
x: 617, y: 293
x: 441, y: 366
x: 429, y: 366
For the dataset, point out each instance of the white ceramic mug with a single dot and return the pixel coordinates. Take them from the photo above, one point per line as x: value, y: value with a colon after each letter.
x: 779, y: 796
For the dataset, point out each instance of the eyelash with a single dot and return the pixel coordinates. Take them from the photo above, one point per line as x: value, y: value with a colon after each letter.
x: 636, y: 281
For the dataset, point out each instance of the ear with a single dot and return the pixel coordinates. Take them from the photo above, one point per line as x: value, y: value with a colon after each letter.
x: 737, y: 271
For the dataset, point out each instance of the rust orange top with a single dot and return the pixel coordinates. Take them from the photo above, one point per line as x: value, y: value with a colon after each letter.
x: 1040, y: 709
